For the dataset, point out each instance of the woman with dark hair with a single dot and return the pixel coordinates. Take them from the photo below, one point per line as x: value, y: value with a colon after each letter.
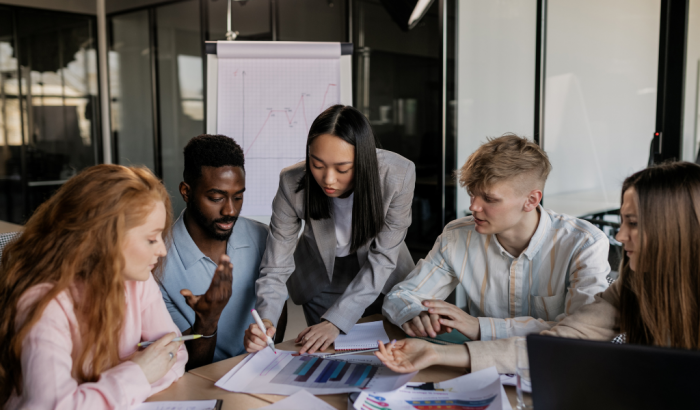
x: 656, y: 300
x: 356, y: 202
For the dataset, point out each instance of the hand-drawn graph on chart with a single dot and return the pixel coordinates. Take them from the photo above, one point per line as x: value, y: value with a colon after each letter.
x: 271, y: 105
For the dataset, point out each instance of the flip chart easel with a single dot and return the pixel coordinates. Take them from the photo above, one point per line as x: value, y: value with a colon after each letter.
x: 265, y: 95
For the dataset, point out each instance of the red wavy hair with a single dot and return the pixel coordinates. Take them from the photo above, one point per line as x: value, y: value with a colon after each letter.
x: 76, y: 237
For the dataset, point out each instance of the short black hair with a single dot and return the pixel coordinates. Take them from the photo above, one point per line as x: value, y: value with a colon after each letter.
x: 350, y: 125
x: 208, y: 150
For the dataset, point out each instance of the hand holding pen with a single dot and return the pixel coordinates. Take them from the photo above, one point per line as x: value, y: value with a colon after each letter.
x: 256, y: 336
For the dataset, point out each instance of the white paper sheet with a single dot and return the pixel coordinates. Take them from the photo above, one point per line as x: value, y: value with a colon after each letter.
x: 177, y: 405
x: 362, y: 336
x: 286, y: 372
x: 300, y: 400
x: 267, y: 105
x: 479, y: 390
x: 277, y: 49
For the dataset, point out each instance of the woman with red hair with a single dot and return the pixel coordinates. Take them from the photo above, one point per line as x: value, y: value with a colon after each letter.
x: 78, y: 295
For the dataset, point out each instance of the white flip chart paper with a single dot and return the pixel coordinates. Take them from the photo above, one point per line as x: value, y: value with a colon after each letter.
x: 268, y: 97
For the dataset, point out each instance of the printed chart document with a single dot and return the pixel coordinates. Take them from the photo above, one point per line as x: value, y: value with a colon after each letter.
x: 481, y: 390
x: 362, y: 336
x: 300, y: 400
x: 287, y: 372
x: 180, y: 405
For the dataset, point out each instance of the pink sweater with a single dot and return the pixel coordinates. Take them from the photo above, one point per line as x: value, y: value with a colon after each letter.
x: 52, y: 344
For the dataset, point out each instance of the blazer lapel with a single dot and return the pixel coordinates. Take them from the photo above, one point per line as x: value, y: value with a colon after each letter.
x: 324, y: 233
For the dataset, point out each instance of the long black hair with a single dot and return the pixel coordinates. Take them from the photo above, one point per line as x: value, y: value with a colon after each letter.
x: 351, y: 126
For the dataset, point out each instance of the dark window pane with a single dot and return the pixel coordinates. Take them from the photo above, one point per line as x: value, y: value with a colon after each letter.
x: 311, y: 20
x: 251, y: 19
x: 181, y: 98
x: 58, y: 72
x: 11, y: 180
x: 130, y: 89
x: 402, y: 73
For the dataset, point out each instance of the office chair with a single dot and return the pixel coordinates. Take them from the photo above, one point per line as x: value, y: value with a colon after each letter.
x: 5, y: 239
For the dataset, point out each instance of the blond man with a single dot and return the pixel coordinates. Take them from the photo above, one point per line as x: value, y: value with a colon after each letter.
x: 523, y: 267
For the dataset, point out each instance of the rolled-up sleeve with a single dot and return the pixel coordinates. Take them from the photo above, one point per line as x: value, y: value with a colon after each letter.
x: 433, y: 278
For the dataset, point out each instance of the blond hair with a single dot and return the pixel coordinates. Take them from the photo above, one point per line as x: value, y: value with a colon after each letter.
x: 504, y: 158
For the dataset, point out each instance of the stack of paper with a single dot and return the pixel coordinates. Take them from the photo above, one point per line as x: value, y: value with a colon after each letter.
x: 363, y: 336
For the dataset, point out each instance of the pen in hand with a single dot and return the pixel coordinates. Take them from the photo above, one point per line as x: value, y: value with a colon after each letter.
x: 177, y: 339
x: 261, y: 325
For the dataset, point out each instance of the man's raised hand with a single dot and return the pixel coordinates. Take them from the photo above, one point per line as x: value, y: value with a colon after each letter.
x: 208, y: 307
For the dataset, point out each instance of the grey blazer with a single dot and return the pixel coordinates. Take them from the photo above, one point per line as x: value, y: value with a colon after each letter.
x: 304, y: 266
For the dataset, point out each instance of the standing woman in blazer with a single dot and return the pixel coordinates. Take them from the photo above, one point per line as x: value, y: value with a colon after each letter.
x: 356, y: 202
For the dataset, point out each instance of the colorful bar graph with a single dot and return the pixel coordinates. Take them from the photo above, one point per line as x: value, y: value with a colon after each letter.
x: 308, y: 366
x: 304, y: 360
x: 326, y: 373
x: 340, y: 372
x: 362, y: 378
x: 369, y: 377
x: 355, y: 375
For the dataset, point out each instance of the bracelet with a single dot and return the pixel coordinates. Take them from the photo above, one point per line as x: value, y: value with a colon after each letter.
x: 211, y: 335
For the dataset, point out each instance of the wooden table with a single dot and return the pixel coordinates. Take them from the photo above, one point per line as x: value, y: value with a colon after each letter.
x: 198, y: 384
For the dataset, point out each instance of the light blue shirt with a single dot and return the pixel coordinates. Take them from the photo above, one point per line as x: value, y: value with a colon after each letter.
x: 188, y: 268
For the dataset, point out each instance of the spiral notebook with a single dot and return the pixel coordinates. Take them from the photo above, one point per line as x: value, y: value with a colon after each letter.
x: 363, y: 336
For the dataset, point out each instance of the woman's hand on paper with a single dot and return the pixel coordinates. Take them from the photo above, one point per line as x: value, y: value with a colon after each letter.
x: 317, y: 337
x: 410, y: 355
x: 452, y: 317
x: 158, y: 358
x: 254, y: 339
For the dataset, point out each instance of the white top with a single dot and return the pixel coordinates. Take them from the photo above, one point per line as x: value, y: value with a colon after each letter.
x: 342, y: 215
x: 564, y: 266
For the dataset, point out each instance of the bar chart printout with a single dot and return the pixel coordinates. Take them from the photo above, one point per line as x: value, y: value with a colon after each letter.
x: 287, y: 372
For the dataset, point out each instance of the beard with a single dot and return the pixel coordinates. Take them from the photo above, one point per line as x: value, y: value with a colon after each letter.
x: 208, y: 226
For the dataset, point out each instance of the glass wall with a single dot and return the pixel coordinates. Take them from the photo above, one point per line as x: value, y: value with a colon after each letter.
x: 251, y: 19
x: 399, y: 88
x: 311, y: 20
x: 691, y: 111
x: 600, y: 99
x: 180, y: 88
x: 48, y: 105
x: 131, y: 89
x: 495, y: 75
x: 11, y: 171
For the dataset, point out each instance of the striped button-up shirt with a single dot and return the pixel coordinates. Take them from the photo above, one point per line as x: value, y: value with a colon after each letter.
x: 563, y: 267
